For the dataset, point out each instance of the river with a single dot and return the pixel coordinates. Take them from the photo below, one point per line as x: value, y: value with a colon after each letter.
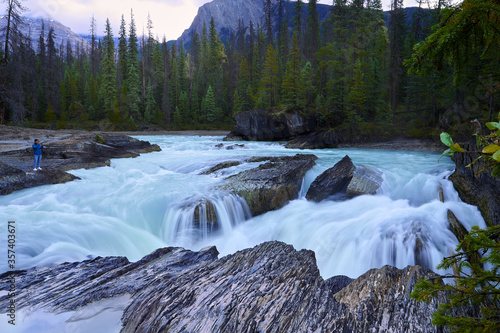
x: 141, y: 204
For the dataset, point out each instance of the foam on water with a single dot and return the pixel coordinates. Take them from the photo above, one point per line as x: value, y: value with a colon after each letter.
x: 138, y: 205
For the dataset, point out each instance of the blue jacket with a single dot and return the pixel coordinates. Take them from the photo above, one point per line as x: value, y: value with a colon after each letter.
x: 37, y: 149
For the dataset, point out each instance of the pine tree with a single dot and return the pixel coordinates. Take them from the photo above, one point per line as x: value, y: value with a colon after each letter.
x: 14, y: 21
x: 149, y: 114
x: 312, y: 33
x: 244, y: 102
x: 268, y: 21
x: 108, y: 85
x: 292, y: 81
x: 133, y: 75
x: 212, y: 111
x: 122, y: 63
x: 269, y: 87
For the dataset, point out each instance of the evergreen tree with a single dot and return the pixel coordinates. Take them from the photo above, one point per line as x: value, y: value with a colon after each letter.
x: 268, y: 21
x: 212, y: 111
x: 108, y: 85
x: 312, y: 35
x: 244, y: 92
x: 397, y: 33
x: 11, y: 30
x: 133, y: 74
x: 269, y: 87
x: 122, y: 62
x: 292, y: 88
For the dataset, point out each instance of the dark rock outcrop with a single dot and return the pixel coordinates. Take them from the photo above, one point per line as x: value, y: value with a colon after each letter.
x: 481, y: 190
x: 68, y: 153
x: 316, y: 140
x: 366, y: 180
x: 271, y: 185
x: 13, y: 179
x: 269, y: 288
x: 332, y: 181
x: 262, y: 125
x: 344, y: 139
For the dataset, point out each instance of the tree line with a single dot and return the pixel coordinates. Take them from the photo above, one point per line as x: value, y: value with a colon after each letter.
x: 348, y: 71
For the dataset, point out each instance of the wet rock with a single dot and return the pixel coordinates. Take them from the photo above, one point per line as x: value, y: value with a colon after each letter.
x: 220, y: 166
x: 271, y: 185
x: 366, y: 180
x: 478, y: 189
x: 263, y: 125
x: 332, y: 181
x: 13, y: 179
x: 316, y: 140
x: 268, y: 288
x: 456, y: 226
x: 205, y: 212
x: 65, y: 152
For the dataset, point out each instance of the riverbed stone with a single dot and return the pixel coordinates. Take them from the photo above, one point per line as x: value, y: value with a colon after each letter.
x: 271, y: 185
x: 332, y: 180
x: 63, y: 152
x: 268, y: 288
x: 366, y: 180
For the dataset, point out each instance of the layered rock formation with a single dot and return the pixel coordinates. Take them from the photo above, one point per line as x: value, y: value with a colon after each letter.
x: 271, y: 185
x: 346, y: 179
x: 62, y: 152
x: 478, y: 189
x: 262, y: 125
x: 331, y: 181
x: 269, y: 288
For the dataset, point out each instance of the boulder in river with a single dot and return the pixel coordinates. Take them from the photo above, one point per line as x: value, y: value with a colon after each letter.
x: 271, y: 185
x: 332, y: 181
x: 263, y: 125
x: 366, y: 180
x: 268, y: 288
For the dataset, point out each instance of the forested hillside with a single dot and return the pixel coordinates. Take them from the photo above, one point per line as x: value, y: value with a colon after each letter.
x: 348, y: 70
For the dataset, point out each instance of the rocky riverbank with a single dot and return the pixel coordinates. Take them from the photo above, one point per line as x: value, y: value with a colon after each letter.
x: 269, y: 288
x: 64, y: 150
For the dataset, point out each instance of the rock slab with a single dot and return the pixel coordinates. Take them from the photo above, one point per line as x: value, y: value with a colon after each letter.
x: 271, y: 185
x: 68, y: 152
x: 263, y: 125
x: 268, y: 288
x: 331, y: 181
x: 478, y: 189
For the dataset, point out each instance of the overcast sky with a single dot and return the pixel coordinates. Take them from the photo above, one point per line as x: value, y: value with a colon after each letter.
x: 170, y: 17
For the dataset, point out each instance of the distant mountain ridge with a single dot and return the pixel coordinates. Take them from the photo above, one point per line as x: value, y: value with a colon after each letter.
x: 33, y: 26
x: 227, y: 14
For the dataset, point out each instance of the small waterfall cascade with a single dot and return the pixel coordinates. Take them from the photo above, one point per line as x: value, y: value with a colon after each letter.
x: 195, y: 219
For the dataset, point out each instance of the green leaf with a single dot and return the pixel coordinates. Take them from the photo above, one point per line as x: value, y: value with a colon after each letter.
x: 496, y: 156
x: 493, y: 126
x: 447, y: 152
x: 446, y: 139
x: 455, y: 147
x: 496, y: 171
x: 490, y: 149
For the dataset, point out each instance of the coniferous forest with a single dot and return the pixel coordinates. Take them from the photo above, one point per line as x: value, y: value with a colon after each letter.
x: 358, y: 70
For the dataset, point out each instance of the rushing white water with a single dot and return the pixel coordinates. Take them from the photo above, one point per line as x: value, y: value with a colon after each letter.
x: 161, y: 199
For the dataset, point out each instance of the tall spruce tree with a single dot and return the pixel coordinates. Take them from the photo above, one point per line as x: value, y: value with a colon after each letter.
x: 133, y: 74
x: 108, y: 79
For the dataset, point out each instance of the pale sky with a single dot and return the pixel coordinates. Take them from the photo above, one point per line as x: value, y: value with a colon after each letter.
x: 170, y: 17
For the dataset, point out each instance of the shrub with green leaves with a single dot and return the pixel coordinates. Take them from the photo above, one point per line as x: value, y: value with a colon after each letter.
x: 475, y: 282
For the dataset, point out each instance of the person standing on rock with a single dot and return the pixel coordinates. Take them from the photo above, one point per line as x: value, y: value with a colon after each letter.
x: 37, y: 153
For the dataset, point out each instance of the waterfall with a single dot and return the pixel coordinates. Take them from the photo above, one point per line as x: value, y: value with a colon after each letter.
x: 163, y: 199
x: 197, y: 218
